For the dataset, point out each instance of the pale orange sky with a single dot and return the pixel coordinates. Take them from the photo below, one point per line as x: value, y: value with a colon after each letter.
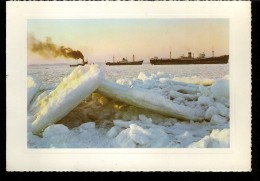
x: 100, y: 39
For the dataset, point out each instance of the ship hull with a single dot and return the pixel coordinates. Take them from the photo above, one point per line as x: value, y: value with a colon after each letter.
x: 211, y: 60
x: 125, y: 63
x: 80, y: 64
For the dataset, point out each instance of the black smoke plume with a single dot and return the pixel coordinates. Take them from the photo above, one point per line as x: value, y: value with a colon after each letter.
x: 48, y: 49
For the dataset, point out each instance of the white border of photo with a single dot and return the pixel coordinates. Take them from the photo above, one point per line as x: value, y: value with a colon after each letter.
x: 235, y: 158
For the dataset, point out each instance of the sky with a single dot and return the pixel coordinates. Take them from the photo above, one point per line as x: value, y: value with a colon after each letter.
x: 101, y: 39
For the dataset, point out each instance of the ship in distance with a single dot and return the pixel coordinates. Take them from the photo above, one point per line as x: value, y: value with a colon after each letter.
x: 201, y: 59
x: 124, y: 61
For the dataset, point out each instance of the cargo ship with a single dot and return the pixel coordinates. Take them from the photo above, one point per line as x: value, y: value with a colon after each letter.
x: 201, y: 59
x: 80, y: 64
x: 124, y: 61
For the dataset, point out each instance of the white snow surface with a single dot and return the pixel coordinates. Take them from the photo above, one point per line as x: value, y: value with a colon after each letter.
x: 101, y: 121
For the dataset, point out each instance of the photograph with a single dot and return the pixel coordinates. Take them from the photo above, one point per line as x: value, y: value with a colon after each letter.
x: 128, y: 86
x: 128, y: 83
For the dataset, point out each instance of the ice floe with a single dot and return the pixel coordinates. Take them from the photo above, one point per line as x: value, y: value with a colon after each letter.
x: 152, y: 110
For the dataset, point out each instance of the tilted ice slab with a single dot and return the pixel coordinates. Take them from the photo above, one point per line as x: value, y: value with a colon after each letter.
x: 69, y: 93
x: 149, y: 100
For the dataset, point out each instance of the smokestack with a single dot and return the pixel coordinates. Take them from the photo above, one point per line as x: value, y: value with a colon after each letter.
x: 48, y: 49
x: 133, y: 57
x: 189, y: 54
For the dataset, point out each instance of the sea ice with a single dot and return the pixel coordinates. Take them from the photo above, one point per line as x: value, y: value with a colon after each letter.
x: 68, y: 94
x: 223, y: 110
x: 114, y: 131
x: 217, y: 119
x: 205, y: 100
x: 86, y: 126
x: 151, y: 137
x: 124, y: 140
x: 56, y: 129
x: 210, y: 112
x: 122, y: 124
x: 194, y: 80
x: 217, y: 139
x: 148, y: 100
x: 220, y: 89
x: 33, y: 86
x: 140, y: 112
x: 175, y: 94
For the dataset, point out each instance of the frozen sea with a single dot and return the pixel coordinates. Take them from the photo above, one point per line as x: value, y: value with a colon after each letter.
x: 100, y: 121
x: 55, y: 73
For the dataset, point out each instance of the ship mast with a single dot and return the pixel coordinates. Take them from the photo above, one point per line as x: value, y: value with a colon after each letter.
x: 170, y: 53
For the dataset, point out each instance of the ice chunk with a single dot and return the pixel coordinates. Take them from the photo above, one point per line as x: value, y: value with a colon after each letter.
x: 186, y: 88
x: 223, y: 110
x: 151, y: 137
x: 217, y: 119
x: 194, y: 80
x: 204, y: 90
x: 124, y: 82
x: 163, y: 75
x: 186, y: 138
x: 221, y: 137
x: 205, y: 100
x: 33, y: 86
x: 203, y: 143
x: 57, y: 129
x: 82, y: 81
x: 85, y: 126
x: 220, y: 89
x: 164, y: 80
x: 123, y: 124
x: 210, y: 112
x: 145, y: 76
x: 149, y: 100
x: 223, y: 101
x: 124, y: 140
x: 114, y: 131
x: 33, y: 104
x: 139, y: 135
x: 217, y: 139
x: 144, y: 119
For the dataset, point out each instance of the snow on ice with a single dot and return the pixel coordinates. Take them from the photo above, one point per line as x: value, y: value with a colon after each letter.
x: 150, y: 111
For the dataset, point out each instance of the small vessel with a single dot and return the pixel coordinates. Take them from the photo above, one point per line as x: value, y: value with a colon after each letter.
x: 124, y: 61
x: 201, y: 59
x: 80, y: 64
